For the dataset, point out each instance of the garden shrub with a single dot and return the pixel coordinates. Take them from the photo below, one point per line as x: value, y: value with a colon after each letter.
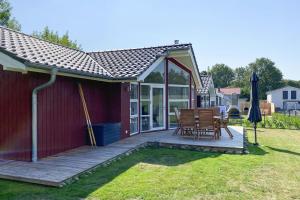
x: 277, y: 120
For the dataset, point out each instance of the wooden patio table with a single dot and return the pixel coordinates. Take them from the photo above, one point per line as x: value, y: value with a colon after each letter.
x: 223, y: 124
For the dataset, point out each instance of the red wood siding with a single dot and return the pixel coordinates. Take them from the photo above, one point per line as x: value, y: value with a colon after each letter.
x: 61, y: 121
x: 15, y: 114
x: 125, y: 110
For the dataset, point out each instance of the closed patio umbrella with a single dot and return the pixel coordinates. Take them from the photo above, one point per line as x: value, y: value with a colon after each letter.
x: 254, y: 114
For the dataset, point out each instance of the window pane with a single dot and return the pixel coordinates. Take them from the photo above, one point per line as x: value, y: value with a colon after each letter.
x: 157, y: 75
x: 133, y: 125
x: 178, y: 75
x: 145, y: 108
x: 145, y: 91
x: 178, y: 105
x: 178, y: 92
x: 157, y: 107
x: 293, y: 94
x: 145, y: 123
x: 133, y: 108
x: 172, y: 121
x: 133, y: 91
x: 285, y: 94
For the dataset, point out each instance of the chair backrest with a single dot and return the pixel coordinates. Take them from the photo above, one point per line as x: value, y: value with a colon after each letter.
x: 206, y: 117
x: 216, y: 111
x: 187, y: 117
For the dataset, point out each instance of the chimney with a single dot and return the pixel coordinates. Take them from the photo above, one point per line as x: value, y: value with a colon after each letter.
x: 176, y: 41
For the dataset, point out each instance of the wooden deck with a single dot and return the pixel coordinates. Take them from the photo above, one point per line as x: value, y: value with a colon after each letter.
x: 65, y: 167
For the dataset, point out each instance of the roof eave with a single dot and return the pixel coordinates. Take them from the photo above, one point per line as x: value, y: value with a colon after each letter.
x: 79, y: 74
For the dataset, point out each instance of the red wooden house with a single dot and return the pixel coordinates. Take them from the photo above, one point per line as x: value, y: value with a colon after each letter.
x: 139, y: 88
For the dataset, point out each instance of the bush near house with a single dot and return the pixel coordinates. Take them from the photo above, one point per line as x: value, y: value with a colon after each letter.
x: 276, y: 121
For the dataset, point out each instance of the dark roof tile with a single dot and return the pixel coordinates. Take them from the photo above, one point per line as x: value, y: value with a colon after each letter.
x: 131, y: 62
x: 38, y: 51
x: 206, y: 81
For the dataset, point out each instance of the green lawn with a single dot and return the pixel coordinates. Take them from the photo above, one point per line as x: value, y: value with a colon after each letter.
x: 271, y: 171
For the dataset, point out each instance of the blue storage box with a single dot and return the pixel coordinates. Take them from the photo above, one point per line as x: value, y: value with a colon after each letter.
x: 106, y: 133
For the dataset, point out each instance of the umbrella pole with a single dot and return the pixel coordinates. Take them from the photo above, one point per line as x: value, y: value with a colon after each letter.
x: 255, y: 138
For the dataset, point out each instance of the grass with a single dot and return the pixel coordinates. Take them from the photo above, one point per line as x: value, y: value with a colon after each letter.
x: 270, y: 171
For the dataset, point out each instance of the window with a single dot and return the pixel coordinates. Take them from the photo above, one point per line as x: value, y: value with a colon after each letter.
x: 293, y: 94
x: 177, y: 75
x: 133, y: 108
x: 145, y: 107
x: 179, y: 91
x: 285, y: 94
x: 157, y: 75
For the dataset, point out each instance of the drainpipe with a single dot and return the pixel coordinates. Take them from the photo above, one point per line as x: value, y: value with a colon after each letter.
x: 34, y: 112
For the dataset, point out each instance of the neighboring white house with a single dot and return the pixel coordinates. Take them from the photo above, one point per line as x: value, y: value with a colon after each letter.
x: 285, y: 98
x: 228, y: 97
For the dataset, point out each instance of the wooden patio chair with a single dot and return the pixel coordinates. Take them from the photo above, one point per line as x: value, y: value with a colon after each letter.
x: 217, y: 118
x: 207, y: 124
x: 177, y: 116
x: 223, y: 121
x: 187, y: 122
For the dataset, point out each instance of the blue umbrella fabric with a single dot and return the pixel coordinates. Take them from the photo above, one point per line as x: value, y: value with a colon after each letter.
x: 254, y: 114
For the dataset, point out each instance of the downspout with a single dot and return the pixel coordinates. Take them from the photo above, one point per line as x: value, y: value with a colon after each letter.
x: 34, y: 112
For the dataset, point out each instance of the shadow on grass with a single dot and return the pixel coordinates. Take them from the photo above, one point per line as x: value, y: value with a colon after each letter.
x: 284, y: 151
x: 88, y: 184
x: 150, y: 155
x: 256, y: 150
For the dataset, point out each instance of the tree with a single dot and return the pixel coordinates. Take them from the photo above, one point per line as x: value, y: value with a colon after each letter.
x: 6, y: 18
x: 270, y: 77
x: 54, y: 37
x: 241, y: 80
x: 291, y: 83
x: 222, y: 75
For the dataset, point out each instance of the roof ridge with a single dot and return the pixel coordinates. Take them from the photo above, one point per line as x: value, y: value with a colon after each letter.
x: 41, y: 39
x: 139, y: 48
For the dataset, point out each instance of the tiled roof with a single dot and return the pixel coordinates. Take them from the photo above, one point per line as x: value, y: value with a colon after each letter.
x: 206, y: 81
x: 117, y: 64
x: 41, y: 52
x: 229, y: 91
x: 132, y: 62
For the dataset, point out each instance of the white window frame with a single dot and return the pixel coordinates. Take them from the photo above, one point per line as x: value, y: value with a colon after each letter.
x: 154, y: 85
x: 137, y: 102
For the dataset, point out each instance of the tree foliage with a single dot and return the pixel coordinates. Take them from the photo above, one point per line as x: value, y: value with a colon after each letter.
x: 6, y: 18
x: 222, y: 75
x: 292, y: 83
x: 270, y: 77
x: 53, y: 36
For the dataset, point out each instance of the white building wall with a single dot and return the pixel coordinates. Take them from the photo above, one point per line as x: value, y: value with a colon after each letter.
x: 276, y: 96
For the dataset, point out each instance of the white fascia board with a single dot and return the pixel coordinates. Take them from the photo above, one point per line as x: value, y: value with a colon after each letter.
x: 150, y: 69
x: 178, y: 53
x: 11, y: 64
x: 194, y: 67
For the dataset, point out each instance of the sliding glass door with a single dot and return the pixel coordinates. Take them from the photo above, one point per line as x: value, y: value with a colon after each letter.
x: 152, y: 107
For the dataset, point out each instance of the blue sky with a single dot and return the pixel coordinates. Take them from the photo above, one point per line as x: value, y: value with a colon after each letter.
x: 234, y: 32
